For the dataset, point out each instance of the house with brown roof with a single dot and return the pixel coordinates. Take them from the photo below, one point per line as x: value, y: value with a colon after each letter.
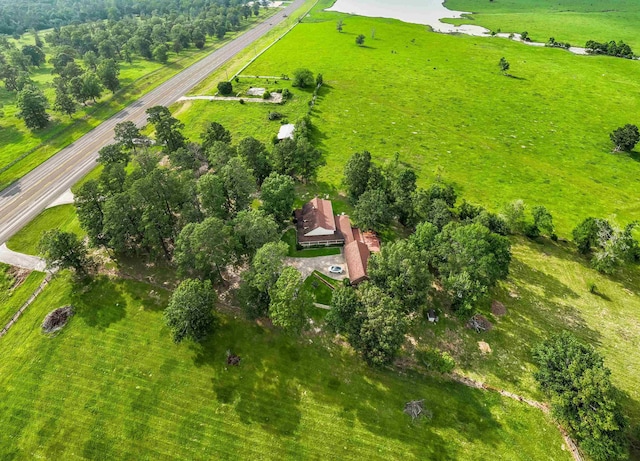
x: 318, y: 226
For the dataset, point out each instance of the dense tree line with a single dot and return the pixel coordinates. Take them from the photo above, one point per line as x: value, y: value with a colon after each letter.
x: 86, y: 57
x: 18, y: 17
x: 619, y: 49
x: 196, y: 211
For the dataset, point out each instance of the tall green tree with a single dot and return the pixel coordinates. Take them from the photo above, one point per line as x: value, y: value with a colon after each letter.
x: 205, y: 249
x: 189, y: 314
x: 382, y: 326
x: 91, y: 87
x: 278, y: 196
x: 255, y: 155
x: 303, y: 78
x: 372, y: 212
x: 167, y: 128
x: 400, y: 270
x: 126, y: 134
x: 257, y: 282
x: 470, y: 260
x: 215, y: 132
x: 64, y: 250
x: 625, y: 138
x: 36, y: 55
x: 89, y: 203
x: 32, y: 105
x: 289, y: 303
x: 63, y: 102
x: 253, y: 229
x: 109, y: 74
x: 356, y: 174
x: 239, y: 185
x: 582, y: 397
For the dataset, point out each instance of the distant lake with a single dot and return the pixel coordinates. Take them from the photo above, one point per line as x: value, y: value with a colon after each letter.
x: 427, y: 12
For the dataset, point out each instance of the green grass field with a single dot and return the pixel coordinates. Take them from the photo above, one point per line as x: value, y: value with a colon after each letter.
x: 112, y: 385
x: 62, y: 217
x: 548, y: 292
x: 249, y: 119
x: 14, y: 291
x: 573, y: 21
x: 441, y: 102
x: 23, y: 150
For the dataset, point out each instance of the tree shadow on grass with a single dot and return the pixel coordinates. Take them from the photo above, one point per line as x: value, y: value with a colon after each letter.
x: 98, y: 303
x: 276, y: 370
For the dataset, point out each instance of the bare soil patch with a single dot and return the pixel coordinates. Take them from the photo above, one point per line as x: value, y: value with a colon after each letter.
x: 18, y: 275
x: 484, y: 347
x: 498, y: 309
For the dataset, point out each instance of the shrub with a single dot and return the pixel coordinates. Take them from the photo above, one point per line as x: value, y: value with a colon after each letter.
x: 225, y: 88
x: 435, y: 360
x: 266, y: 95
x: 242, y: 101
x: 286, y: 94
x: 531, y: 231
x: 275, y: 116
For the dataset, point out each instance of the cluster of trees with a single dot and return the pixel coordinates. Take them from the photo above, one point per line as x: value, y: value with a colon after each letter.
x: 18, y: 17
x: 555, y: 44
x: 270, y: 289
x: 609, y: 246
x: 466, y: 259
x: 194, y: 208
x: 582, y: 397
x: 206, y: 192
x: 460, y: 248
x: 620, y: 49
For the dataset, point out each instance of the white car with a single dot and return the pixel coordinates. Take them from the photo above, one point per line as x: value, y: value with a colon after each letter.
x: 335, y: 270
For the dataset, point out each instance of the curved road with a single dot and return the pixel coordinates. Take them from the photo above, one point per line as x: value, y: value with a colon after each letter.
x: 27, y: 197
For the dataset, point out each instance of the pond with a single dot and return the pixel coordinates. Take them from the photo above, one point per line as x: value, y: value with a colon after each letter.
x: 427, y: 12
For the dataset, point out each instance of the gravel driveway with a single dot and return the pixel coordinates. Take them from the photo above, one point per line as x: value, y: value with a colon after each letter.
x: 321, y: 264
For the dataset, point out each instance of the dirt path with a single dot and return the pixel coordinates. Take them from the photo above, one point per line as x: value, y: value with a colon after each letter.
x: 573, y: 447
x: 276, y: 98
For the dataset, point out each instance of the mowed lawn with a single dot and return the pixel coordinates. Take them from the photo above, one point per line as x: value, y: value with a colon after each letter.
x: 573, y: 21
x: 441, y: 102
x: 62, y: 217
x: 112, y: 385
x: 15, y: 288
x: 243, y: 120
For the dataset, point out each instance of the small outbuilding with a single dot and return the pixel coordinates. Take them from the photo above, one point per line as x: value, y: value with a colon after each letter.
x: 286, y: 131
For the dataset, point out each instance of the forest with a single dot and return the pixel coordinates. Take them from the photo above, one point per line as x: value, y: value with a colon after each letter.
x: 19, y: 17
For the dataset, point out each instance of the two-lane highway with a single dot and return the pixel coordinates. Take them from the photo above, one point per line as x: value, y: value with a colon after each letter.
x: 27, y: 197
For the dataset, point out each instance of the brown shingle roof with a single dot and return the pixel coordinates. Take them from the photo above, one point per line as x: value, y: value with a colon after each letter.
x: 356, y: 255
x: 318, y: 213
x: 344, y: 226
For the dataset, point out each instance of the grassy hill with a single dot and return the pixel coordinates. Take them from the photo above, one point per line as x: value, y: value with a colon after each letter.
x: 441, y: 102
x: 112, y: 385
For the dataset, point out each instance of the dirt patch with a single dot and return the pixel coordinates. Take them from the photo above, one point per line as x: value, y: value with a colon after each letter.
x: 57, y: 319
x: 498, y: 309
x: 479, y: 323
x: 484, y: 347
x: 18, y: 275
